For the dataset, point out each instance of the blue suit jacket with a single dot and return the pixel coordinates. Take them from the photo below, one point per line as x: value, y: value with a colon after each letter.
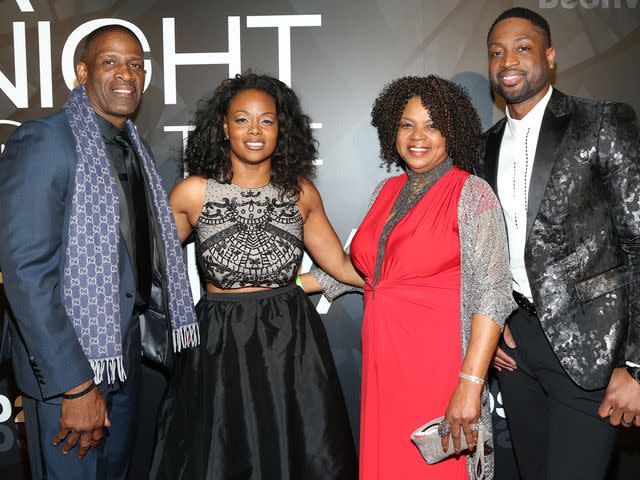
x: 37, y: 174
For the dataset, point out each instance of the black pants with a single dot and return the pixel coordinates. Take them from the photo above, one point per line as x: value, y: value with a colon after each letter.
x: 555, y: 428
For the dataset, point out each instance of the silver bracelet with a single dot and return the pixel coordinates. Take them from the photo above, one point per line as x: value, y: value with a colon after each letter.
x: 471, y: 378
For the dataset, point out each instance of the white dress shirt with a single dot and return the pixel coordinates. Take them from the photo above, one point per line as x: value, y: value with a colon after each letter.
x: 515, y: 164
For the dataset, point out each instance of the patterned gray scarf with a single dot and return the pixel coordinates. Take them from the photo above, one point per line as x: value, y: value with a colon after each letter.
x: 91, y: 278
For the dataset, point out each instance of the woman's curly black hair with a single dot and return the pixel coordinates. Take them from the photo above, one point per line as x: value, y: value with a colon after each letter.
x: 208, y: 154
x: 450, y: 109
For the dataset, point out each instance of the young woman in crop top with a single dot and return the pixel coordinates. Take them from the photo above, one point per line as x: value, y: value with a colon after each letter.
x: 260, y: 398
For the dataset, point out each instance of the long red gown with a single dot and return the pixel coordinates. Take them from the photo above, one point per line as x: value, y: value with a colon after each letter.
x: 411, y: 346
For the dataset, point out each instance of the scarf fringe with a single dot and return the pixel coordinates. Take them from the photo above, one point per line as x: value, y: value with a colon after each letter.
x: 185, y: 337
x: 113, y: 367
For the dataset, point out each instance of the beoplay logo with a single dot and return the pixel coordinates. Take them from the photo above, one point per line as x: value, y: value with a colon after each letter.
x: 589, y: 3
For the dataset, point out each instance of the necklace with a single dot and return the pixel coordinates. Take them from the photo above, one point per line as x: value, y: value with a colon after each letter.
x: 526, y: 176
x: 414, y: 189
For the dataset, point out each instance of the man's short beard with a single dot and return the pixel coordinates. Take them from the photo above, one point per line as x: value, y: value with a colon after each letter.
x: 525, y: 93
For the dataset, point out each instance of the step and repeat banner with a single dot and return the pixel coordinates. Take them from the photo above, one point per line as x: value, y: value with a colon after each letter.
x: 337, y: 55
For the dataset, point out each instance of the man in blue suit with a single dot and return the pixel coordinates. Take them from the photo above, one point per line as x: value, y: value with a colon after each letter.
x: 86, y: 248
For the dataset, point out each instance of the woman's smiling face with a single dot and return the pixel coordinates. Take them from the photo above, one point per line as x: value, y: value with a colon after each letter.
x: 251, y: 124
x: 419, y: 143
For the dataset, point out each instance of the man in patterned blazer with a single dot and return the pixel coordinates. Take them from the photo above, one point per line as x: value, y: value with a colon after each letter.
x: 567, y: 173
x: 90, y: 257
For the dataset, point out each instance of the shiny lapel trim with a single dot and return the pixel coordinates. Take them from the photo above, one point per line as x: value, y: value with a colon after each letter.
x: 125, y: 224
x: 492, y: 152
x: 554, y: 125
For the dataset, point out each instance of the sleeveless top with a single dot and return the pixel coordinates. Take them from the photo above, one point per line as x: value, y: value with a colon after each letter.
x: 248, y: 237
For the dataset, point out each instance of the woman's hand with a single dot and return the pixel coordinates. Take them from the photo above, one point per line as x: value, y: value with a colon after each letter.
x: 464, y: 406
x: 310, y: 284
x: 462, y: 415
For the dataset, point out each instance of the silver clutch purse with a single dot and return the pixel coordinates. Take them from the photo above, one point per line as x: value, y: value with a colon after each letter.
x: 428, y: 441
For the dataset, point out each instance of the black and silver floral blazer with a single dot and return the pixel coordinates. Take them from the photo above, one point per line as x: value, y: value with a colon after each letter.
x: 582, y: 252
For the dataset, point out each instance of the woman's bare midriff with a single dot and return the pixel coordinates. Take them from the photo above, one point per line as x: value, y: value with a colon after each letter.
x: 214, y: 289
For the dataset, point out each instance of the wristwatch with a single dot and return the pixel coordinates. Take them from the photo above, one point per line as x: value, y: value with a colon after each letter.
x: 634, y: 372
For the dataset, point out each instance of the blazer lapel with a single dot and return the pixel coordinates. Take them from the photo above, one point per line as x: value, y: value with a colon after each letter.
x: 492, y: 152
x: 554, y: 125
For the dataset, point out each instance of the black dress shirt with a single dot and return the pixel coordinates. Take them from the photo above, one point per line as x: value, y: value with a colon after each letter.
x: 134, y: 207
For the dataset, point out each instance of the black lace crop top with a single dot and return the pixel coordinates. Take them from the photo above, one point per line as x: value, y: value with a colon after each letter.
x: 248, y: 237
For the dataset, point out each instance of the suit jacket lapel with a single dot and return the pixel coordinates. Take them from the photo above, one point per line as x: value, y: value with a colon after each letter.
x: 492, y: 152
x: 554, y: 125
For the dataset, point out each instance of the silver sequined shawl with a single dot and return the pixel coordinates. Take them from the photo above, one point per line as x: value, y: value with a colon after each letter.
x: 485, y: 275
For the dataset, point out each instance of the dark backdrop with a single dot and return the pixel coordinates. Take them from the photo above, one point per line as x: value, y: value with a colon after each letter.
x: 337, y: 55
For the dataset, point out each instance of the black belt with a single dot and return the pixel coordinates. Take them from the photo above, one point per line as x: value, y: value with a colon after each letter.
x: 524, y: 303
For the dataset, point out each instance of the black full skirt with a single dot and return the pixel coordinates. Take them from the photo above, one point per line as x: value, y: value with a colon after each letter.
x: 259, y: 398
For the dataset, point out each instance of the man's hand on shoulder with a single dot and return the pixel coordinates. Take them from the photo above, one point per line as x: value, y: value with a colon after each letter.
x: 621, y: 403
x: 82, y: 419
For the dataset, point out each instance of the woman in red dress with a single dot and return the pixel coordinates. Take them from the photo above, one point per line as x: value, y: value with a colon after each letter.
x: 437, y: 288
